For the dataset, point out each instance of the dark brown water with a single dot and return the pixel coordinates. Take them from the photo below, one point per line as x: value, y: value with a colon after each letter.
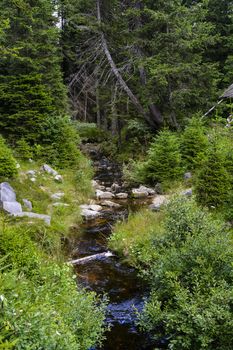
x: 126, y: 292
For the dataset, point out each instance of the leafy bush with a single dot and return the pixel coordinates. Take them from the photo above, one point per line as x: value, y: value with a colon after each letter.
x: 194, y: 143
x: 191, y: 281
x: 41, y: 306
x: 7, y: 161
x: 163, y: 163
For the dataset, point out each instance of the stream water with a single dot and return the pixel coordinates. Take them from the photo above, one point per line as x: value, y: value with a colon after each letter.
x: 111, y: 276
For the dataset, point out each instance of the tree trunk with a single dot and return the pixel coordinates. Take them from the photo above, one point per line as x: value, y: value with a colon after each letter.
x: 154, y: 123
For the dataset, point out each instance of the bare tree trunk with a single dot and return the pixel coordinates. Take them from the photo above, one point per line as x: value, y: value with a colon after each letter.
x: 153, y: 123
x: 114, y: 118
x: 98, y: 116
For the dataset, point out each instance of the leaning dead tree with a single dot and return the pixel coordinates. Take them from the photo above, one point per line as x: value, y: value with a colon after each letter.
x: 97, y: 69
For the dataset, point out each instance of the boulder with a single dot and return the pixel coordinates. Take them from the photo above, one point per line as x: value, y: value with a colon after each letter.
x: 104, y: 195
x: 187, y: 176
x: 7, y: 194
x: 31, y: 172
x: 139, y: 193
x: 93, y: 207
x: 58, y: 178
x: 57, y: 195
x: 46, y: 218
x: 110, y: 204
x: 12, y: 207
x: 115, y: 187
x: 49, y: 170
x: 122, y: 195
x: 158, y: 201
x: 89, y: 214
x: 188, y: 192
x: 28, y: 204
x: 149, y: 190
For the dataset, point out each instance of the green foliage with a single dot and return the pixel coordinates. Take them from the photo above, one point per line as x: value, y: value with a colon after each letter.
x: 25, y: 104
x: 194, y: 143
x: 191, y: 281
x: 213, y: 181
x: 89, y: 132
x: 7, y: 161
x: 41, y: 305
x: 59, y: 143
x: 163, y: 163
x: 23, y: 150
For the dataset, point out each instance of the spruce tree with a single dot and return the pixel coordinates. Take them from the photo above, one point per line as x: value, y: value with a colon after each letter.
x: 31, y: 81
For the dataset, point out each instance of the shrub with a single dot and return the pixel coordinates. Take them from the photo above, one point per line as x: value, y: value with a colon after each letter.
x: 41, y: 306
x: 191, y: 282
x: 59, y: 144
x: 90, y: 132
x: 213, y: 181
x: 194, y: 143
x: 7, y: 161
x: 23, y: 150
x: 163, y: 163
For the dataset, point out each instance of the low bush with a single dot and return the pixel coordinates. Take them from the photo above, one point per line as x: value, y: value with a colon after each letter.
x: 41, y: 305
x: 7, y: 162
x: 191, y: 281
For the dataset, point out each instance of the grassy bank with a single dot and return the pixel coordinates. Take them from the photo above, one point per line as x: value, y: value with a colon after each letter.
x: 41, y: 305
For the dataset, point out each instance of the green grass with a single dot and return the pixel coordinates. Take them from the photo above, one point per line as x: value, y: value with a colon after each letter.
x: 132, y: 238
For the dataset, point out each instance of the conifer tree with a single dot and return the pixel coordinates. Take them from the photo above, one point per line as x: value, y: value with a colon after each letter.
x: 31, y: 81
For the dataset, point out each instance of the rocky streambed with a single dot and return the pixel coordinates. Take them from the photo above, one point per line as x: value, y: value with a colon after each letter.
x: 106, y: 274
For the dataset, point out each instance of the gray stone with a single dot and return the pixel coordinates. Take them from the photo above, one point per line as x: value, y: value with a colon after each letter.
x: 115, y: 187
x: 93, y: 207
x: 122, y: 195
x: 7, y: 194
x: 57, y: 195
x: 12, y: 207
x: 149, y: 190
x: 188, y: 192
x: 46, y: 218
x: 137, y: 193
x: 58, y: 178
x: 104, y: 195
x: 159, y: 188
x: 31, y: 172
x: 158, y: 202
x: 89, y: 214
x: 49, y: 170
x: 110, y: 204
x: 27, y: 204
x: 187, y: 176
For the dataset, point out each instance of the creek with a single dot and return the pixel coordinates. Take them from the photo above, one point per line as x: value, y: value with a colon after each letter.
x: 111, y: 276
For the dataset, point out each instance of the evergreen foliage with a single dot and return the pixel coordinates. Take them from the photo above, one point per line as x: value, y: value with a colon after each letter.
x: 7, y: 162
x: 214, y: 182
x: 163, y: 161
x: 194, y: 143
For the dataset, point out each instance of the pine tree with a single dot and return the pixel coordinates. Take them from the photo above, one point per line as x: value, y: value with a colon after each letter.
x: 31, y: 81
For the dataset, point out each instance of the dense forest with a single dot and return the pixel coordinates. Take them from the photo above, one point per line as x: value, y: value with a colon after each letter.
x: 149, y: 84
